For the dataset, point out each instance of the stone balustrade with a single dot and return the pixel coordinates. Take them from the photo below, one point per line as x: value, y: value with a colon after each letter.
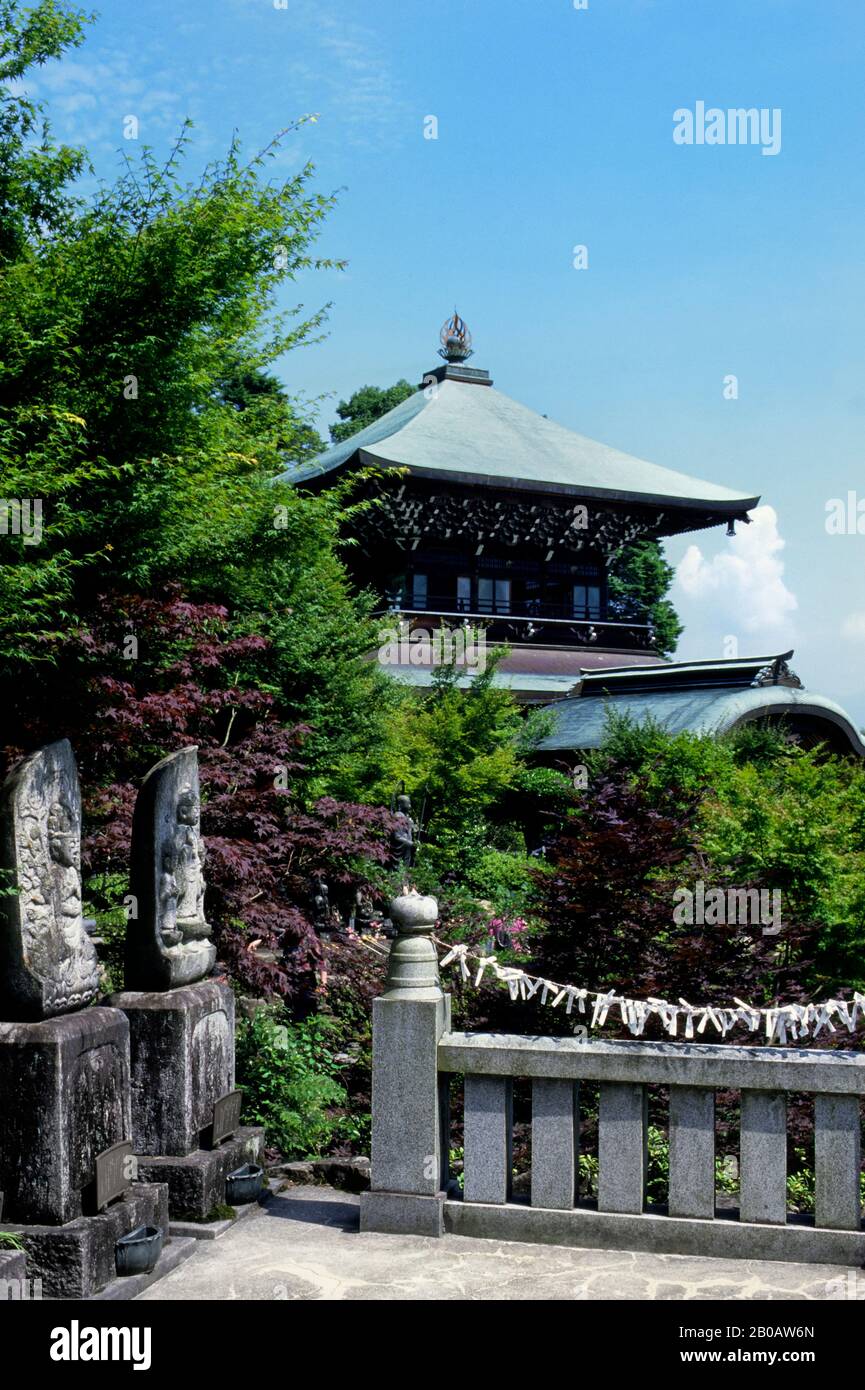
x: 693, y: 1072
x: 416, y: 1056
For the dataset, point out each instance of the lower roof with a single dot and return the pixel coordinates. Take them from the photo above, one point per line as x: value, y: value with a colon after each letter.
x: 581, y: 721
x: 533, y: 673
x: 581, y: 687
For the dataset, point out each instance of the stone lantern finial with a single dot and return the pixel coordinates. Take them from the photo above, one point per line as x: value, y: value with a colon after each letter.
x: 413, y: 965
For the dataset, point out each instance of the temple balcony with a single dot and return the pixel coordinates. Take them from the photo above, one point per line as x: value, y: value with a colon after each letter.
x: 529, y: 621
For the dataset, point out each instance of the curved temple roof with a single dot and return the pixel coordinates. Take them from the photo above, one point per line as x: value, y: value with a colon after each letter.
x: 698, y: 698
x: 466, y: 430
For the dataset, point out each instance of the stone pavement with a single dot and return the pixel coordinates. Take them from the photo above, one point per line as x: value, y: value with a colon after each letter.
x: 305, y: 1244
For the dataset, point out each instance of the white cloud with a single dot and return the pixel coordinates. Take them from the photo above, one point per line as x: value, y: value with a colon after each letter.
x: 742, y: 589
x: 73, y: 103
x: 341, y: 69
x: 87, y: 98
x: 853, y: 627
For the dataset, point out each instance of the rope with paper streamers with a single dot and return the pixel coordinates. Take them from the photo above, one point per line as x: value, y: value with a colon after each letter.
x: 797, y: 1020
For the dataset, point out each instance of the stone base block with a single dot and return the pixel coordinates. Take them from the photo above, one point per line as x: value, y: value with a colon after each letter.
x: 212, y: 1230
x: 77, y: 1260
x: 349, y: 1174
x: 401, y: 1214
x: 796, y: 1243
x: 124, y: 1290
x: 13, y: 1277
x: 196, y: 1181
x: 64, y: 1098
x: 182, y: 1058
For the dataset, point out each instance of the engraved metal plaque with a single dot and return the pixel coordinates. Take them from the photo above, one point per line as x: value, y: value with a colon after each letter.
x: 226, y: 1116
x: 113, y: 1168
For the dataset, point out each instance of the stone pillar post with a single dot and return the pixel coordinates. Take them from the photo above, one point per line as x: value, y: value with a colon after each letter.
x: 409, y: 1138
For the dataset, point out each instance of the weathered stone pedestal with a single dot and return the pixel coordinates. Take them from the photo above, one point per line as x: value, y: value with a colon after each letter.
x: 196, y: 1181
x: 14, y: 1284
x: 77, y: 1259
x: 64, y: 1100
x: 182, y: 1062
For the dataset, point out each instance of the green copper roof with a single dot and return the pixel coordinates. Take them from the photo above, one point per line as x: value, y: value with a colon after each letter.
x: 469, y: 431
x: 580, y: 721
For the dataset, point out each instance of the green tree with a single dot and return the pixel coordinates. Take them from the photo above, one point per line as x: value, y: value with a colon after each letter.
x: 770, y: 814
x: 290, y: 1082
x: 34, y: 172
x: 366, y: 405
x: 461, y: 752
x: 268, y: 409
x: 639, y: 580
x: 139, y: 404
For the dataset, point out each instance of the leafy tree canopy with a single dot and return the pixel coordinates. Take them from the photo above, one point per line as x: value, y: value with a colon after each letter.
x: 140, y: 407
x: 763, y: 812
x: 366, y: 405
x: 639, y: 581
x: 34, y: 171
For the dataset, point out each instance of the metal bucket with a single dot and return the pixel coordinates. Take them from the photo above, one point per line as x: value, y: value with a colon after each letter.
x: 138, y: 1252
x: 244, y: 1185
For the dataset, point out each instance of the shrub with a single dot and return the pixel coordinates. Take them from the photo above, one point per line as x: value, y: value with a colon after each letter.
x: 289, y: 1080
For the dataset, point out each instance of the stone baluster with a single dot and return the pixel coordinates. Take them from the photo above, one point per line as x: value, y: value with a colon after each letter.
x: 555, y: 1142
x: 692, y: 1152
x: 763, y: 1157
x: 838, y: 1162
x: 488, y: 1138
x: 622, y: 1147
x: 409, y: 1132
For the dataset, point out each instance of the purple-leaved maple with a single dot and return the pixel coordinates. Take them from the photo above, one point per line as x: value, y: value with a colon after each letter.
x: 609, y: 900
x: 146, y: 676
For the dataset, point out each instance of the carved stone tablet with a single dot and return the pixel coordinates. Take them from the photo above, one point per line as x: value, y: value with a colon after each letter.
x: 168, y: 939
x: 48, y: 964
x: 226, y: 1116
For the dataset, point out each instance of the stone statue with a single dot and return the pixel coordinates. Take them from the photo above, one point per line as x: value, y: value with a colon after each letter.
x: 402, y: 837
x: 189, y: 868
x: 168, y: 937
x: 48, y: 964
x: 168, y: 928
x: 321, y: 914
x: 364, y: 917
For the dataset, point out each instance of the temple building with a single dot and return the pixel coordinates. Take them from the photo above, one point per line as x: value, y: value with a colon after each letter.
x: 489, y: 516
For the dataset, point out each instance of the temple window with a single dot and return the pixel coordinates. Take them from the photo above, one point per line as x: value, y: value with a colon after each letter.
x: 587, y: 601
x: 494, y: 595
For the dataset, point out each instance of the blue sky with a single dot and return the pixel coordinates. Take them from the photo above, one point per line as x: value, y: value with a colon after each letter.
x: 555, y: 129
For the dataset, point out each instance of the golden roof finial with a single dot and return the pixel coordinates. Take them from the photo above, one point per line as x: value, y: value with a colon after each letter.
x: 455, y: 339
